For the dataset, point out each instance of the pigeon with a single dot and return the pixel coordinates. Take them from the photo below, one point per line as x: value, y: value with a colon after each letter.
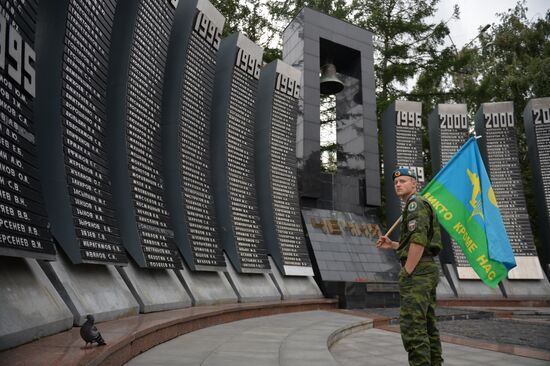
x: 89, y: 332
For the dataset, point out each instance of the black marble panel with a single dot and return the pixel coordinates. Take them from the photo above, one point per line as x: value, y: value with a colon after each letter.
x: 496, y: 124
x: 137, y: 75
x: 344, y: 246
x: 187, y: 171
x: 75, y: 49
x: 233, y: 153
x: 23, y: 220
x: 402, y: 137
x: 448, y: 125
x: 536, y: 118
x: 84, y: 88
x: 276, y: 167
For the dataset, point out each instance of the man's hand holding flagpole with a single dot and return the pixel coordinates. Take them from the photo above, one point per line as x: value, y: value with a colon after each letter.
x: 384, y: 241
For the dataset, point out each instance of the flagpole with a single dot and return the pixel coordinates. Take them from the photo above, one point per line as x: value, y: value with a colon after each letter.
x: 392, y: 228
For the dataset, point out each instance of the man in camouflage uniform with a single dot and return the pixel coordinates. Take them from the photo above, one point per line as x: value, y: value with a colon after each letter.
x: 419, y: 242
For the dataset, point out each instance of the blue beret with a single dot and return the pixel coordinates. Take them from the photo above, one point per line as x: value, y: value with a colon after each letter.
x: 403, y: 171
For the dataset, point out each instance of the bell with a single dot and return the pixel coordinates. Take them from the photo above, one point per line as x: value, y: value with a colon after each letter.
x: 330, y: 84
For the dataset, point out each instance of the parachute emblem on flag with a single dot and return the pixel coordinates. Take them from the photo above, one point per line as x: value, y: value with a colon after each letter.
x: 476, y: 190
x: 492, y: 197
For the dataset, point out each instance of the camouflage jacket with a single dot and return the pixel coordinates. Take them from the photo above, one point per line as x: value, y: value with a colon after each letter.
x: 420, y: 226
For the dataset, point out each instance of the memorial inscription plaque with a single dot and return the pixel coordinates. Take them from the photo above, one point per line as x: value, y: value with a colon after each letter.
x: 402, y: 136
x: 499, y: 147
x: 344, y: 244
x: 23, y: 221
x: 536, y: 118
x: 141, y: 48
x: 233, y: 153
x: 84, y: 85
x: 186, y: 110
x: 276, y: 168
x: 448, y: 126
x: 75, y: 49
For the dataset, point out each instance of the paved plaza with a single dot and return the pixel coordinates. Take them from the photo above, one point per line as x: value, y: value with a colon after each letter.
x: 320, y: 338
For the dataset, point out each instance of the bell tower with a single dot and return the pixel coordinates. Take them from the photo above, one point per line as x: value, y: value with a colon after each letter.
x: 336, y: 58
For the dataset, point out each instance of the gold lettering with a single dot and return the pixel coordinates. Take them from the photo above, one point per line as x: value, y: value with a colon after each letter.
x: 438, y: 206
x: 353, y: 228
x: 484, y: 263
x: 333, y: 227
x: 373, y: 230
x: 468, y: 241
x: 316, y: 222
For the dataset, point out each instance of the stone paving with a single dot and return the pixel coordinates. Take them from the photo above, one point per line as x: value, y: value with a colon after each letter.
x: 287, y: 339
x: 527, y: 327
x: 320, y: 338
x: 442, y: 313
x: 521, y: 333
x: 376, y: 347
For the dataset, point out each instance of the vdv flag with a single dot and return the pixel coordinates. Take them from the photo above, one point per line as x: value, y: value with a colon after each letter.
x: 466, y: 206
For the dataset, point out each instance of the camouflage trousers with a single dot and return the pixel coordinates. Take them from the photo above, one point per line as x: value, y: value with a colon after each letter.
x: 417, y: 315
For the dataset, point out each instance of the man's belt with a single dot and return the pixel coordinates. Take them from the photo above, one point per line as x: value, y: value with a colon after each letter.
x: 422, y: 259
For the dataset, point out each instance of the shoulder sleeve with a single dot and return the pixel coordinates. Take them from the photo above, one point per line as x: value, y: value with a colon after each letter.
x: 418, y: 222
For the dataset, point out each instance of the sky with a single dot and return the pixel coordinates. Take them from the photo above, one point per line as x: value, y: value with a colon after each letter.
x: 474, y: 14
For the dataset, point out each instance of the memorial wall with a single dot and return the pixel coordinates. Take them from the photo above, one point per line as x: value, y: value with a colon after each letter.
x: 134, y: 133
x: 106, y: 135
x: 233, y: 151
x: 276, y: 170
x: 402, y: 139
x: 536, y: 118
x: 499, y: 148
x: 125, y: 120
x: 72, y: 99
x: 23, y: 218
x: 186, y: 115
x: 448, y: 126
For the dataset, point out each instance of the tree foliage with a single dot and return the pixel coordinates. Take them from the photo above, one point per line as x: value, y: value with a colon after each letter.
x: 509, y: 62
x: 406, y: 42
x: 263, y: 21
x: 253, y: 19
x: 512, y: 63
x: 285, y: 10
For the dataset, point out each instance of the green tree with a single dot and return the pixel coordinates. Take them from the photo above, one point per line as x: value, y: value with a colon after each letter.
x: 512, y: 63
x: 329, y: 149
x: 406, y: 42
x: 285, y: 10
x: 509, y: 62
x: 253, y: 19
x: 264, y: 21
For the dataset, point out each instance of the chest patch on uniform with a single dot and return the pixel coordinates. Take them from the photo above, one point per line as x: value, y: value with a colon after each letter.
x: 412, y: 206
x: 411, y: 225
